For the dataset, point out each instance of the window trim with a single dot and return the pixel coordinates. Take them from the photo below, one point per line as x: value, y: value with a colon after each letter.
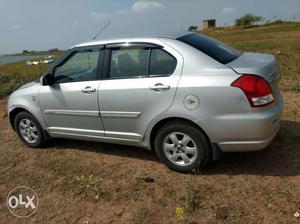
x: 68, y: 54
x: 105, y: 75
x: 132, y: 44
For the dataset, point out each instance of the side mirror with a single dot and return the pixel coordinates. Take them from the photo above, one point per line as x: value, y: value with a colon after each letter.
x: 47, y: 79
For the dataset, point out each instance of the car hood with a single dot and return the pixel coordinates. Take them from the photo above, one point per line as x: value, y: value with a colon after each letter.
x: 30, y: 88
x: 30, y: 84
x: 263, y: 65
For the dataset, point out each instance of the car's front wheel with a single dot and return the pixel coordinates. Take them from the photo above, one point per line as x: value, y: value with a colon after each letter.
x: 29, y: 130
x: 182, y: 147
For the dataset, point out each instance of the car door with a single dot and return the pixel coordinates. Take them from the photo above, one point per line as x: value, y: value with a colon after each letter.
x: 69, y: 105
x: 140, y: 83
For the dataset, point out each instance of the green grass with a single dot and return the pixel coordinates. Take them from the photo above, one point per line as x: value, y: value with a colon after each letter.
x: 295, y: 88
x: 14, y: 75
x: 281, y: 40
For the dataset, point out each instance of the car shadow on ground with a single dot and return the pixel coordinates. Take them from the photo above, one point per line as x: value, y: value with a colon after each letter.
x: 106, y: 148
x: 281, y: 158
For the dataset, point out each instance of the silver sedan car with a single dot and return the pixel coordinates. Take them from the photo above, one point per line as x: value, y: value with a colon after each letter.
x: 188, y: 97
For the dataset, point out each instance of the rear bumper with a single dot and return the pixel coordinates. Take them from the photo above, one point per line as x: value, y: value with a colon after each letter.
x: 244, y: 132
x: 247, y: 146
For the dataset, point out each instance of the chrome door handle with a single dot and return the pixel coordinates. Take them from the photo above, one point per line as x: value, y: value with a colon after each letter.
x: 159, y: 86
x: 88, y: 89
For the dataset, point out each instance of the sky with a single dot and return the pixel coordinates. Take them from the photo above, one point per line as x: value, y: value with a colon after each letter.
x: 47, y: 24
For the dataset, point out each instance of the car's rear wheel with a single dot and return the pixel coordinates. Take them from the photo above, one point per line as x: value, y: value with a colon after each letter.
x: 29, y: 130
x: 182, y: 147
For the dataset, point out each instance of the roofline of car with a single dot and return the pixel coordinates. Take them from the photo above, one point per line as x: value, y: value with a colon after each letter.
x: 121, y: 40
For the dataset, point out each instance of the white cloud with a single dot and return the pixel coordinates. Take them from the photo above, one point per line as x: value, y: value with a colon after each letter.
x: 229, y: 11
x: 138, y: 7
x: 103, y: 16
x: 15, y: 27
x: 143, y: 6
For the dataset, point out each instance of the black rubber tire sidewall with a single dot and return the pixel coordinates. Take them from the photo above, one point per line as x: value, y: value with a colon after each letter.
x: 199, y: 138
x: 41, y: 138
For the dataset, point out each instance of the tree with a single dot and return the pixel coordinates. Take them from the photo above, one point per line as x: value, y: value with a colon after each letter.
x: 247, y: 20
x: 193, y: 28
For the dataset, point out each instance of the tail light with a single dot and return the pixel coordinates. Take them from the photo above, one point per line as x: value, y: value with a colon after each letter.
x: 257, y: 90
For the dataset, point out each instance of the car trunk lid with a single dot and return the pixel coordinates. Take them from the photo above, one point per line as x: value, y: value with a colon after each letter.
x: 263, y: 65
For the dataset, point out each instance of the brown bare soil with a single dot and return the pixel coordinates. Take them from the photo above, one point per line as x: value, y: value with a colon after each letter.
x: 86, y: 182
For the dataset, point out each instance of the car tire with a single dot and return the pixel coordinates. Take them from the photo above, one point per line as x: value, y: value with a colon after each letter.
x: 29, y: 130
x: 182, y: 147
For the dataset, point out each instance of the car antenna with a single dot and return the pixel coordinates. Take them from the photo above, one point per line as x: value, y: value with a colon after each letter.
x: 106, y: 25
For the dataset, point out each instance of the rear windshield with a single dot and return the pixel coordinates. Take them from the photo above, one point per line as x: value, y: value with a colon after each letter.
x: 211, y: 47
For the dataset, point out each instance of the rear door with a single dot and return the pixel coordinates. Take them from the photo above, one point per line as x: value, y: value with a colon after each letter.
x: 140, y: 83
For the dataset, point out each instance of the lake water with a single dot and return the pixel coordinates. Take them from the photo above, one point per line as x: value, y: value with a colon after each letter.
x: 14, y: 58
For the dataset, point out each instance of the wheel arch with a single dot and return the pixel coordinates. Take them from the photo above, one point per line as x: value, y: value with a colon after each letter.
x: 164, y: 121
x: 13, y: 113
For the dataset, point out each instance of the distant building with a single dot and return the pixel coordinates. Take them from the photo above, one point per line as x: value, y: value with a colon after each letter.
x: 209, y: 23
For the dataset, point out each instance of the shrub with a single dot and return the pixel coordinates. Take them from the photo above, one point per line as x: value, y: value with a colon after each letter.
x: 247, y: 20
x: 193, y: 28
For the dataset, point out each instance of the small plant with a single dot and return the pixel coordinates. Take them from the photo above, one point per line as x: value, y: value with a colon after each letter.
x: 90, y: 189
x: 85, y: 181
x: 192, y: 199
x: 4, y: 77
x: 295, y: 88
x: 180, y: 213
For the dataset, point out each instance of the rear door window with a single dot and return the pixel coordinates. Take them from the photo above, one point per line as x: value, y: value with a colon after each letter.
x: 161, y: 63
x: 129, y: 62
x: 140, y: 62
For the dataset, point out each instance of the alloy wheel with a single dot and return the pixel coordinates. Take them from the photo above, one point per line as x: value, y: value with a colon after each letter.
x: 180, y: 148
x: 28, y: 131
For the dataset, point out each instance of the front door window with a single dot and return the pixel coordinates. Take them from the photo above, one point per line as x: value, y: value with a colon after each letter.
x: 81, y: 66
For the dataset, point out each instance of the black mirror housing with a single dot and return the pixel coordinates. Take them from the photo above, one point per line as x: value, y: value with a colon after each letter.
x: 47, y: 79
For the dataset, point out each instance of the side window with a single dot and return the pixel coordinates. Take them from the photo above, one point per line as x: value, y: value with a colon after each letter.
x: 129, y: 62
x: 161, y: 63
x: 81, y: 66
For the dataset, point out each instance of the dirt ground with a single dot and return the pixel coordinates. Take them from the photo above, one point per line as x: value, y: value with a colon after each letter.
x: 86, y: 182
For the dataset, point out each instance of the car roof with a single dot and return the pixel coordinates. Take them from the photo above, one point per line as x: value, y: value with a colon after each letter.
x: 128, y: 37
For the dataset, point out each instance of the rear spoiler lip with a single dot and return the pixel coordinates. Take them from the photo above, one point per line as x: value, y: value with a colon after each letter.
x: 274, y: 76
x: 269, y: 72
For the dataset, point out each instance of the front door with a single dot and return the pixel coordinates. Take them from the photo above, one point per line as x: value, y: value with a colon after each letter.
x: 70, y: 106
x: 140, y: 84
